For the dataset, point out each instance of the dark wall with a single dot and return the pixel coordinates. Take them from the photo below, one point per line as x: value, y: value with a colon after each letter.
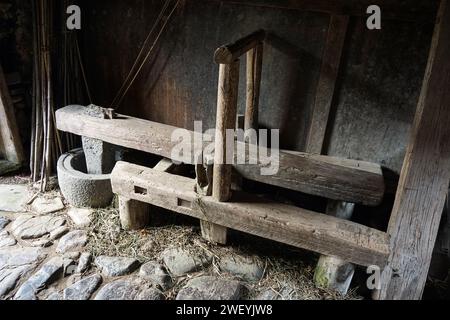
x: 16, y: 52
x: 381, y: 79
x: 376, y: 100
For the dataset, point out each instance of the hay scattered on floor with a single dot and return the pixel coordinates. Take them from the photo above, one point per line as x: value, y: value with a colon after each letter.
x: 290, y: 279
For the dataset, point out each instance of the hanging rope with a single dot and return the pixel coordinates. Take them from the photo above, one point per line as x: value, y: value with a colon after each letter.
x: 122, y: 96
x: 144, y: 45
x: 82, y: 70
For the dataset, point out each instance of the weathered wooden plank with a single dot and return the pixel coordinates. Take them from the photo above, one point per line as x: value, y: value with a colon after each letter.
x: 424, y: 178
x: 254, y: 70
x: 330, y: 177
x: 287, y: 224
x: 11, y: 143
x: 331, y: 60
x: 229, y: 53
x: 225, y: 120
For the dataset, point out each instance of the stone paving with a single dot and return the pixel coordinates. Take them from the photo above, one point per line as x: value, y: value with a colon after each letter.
x: 44, y: 255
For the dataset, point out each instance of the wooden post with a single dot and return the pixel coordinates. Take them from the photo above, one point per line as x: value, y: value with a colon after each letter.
x: 331, y: 61
x: 254, y: 70
x: 135, y: 215
x: 9, y: 131
x: 226, y: 119
x: 424, y: 178
x: 333, y: 272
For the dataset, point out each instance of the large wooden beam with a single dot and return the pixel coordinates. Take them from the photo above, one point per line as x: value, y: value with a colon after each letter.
x: 329, y: 177
x: 10, y: 138
x: 424, y: 178
x: 287, y: 224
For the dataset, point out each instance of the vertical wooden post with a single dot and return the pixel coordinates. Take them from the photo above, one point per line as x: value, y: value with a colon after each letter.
x: 8, y: 127
x: 135, y: 215
x: 331, y: 61
x: 424, y: 178
x: 254, y: 70
x: 333, y: 272
x: 226, y: 119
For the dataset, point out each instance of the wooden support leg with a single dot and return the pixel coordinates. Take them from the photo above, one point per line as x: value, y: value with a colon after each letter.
x: 424, y: 178
x: 213, y: 232
x: 204, y: 178
x: 226, y: 119
x: 334, y: 272
x: 134, y: 214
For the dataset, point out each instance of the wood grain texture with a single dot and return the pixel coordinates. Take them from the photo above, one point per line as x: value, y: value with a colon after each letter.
x: 424, y: 178
x: 331, y: 61
x: 134, y: 215
x: 213, y: 232
x: 330, y: 177
x: 225, y: 120
x: 10, y: 138
x: 254, y: 70
x: 287, y: 224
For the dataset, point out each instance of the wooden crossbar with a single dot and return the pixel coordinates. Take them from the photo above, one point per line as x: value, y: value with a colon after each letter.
x: 283, y: 223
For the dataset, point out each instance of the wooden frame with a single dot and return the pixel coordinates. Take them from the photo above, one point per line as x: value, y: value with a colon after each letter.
x: 403, y: 252
x: 287, y: 224
x: 330, y: 177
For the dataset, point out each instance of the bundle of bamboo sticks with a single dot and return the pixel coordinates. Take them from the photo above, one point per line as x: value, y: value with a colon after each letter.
x: 56, y: 56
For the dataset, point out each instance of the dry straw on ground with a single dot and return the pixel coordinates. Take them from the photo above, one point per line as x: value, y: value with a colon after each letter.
x: 291, y: 279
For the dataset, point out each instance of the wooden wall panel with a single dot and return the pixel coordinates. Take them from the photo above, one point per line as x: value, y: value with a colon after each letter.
x: 376, y: 94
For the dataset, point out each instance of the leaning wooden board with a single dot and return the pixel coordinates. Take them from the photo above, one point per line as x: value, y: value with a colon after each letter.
x: 329, y: 177
x: 287, y: 224
x: 10, y: 142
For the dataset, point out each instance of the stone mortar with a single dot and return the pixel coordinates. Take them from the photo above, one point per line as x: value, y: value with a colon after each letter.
x: 80, y: 189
